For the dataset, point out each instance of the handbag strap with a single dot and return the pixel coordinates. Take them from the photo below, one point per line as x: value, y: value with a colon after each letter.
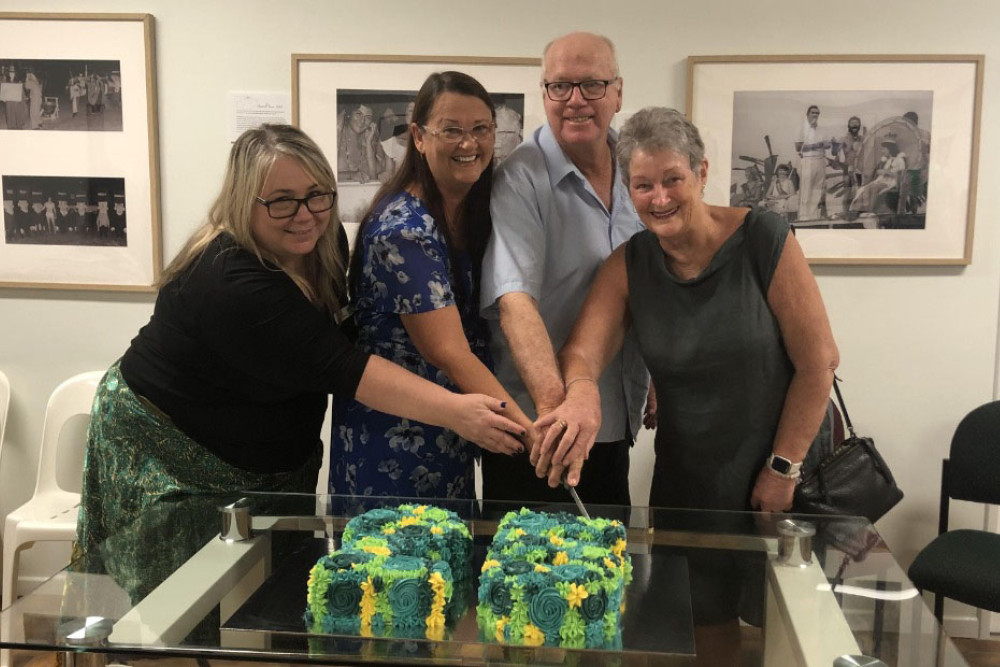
x: 843, y: 408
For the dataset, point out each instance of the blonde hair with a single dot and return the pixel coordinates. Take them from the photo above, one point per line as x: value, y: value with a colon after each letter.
x: 250, y: 161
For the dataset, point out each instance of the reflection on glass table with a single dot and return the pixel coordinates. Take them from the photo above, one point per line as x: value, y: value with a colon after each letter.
x: 169, y: 585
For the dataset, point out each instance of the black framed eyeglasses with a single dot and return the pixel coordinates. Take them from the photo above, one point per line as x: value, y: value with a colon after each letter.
x: 595, y: 89
x: 455, y: 134
x: 287, y: 207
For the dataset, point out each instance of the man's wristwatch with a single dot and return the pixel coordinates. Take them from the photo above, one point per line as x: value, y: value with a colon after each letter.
x: 782, y: 467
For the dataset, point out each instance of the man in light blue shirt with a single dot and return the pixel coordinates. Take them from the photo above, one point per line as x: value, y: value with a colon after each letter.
x: 559, y: 209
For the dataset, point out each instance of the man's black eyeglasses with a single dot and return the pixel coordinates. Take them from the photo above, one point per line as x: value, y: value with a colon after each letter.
x: 560, y: 91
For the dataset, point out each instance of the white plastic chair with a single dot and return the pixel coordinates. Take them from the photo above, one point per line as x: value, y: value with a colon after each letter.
x: 50, y: 514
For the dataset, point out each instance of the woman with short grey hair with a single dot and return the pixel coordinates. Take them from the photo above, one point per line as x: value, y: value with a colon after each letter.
x: 732, y: 327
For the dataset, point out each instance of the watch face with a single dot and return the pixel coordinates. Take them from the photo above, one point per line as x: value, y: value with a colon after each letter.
x: 781, y: 464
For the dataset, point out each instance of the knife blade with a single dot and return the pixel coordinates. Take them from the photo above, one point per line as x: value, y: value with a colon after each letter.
x: 576, y: 497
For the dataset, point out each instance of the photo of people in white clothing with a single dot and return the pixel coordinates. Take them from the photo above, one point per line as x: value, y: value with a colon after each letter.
x: 834, y: 159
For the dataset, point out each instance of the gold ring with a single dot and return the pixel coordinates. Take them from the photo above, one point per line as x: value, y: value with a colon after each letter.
x: 562, y: 422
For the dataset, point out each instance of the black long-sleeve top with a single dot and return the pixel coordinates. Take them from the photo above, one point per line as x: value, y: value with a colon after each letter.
x: 241, y: 361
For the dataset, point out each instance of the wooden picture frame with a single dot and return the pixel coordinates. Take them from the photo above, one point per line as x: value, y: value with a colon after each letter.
x: 324, y: 85
x: 81, y: 187
x: 901, y: 191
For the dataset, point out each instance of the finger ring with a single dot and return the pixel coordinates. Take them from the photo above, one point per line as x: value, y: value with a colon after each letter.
x: 562, y: 422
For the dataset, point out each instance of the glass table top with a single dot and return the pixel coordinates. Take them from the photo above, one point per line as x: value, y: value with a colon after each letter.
x: 170, y: 585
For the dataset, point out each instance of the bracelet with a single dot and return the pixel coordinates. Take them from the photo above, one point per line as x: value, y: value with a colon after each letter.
x: 580, y: 379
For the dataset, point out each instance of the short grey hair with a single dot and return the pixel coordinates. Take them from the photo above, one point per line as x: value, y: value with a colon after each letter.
x: 615, y: 72
x: 656, y: 129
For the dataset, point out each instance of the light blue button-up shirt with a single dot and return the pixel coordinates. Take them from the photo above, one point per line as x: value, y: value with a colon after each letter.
x: 551, y: 233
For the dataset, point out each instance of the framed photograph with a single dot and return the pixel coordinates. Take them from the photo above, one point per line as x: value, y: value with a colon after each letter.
x: 358, y: 108
x: 79, y: 165
x: 872, y: 159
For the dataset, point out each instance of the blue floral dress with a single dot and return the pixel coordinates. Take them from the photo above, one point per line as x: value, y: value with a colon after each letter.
x: 405, y: 269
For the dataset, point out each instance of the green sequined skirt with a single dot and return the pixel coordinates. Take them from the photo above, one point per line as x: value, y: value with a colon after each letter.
x: 136, y: 459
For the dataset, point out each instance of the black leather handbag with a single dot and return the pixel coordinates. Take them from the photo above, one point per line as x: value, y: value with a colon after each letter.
x: 854, y: 479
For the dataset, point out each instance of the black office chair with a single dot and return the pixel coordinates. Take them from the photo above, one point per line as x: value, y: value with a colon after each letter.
x: 964, y: 565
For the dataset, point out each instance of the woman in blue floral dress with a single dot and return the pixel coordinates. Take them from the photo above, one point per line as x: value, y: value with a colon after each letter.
x: 414, y: 288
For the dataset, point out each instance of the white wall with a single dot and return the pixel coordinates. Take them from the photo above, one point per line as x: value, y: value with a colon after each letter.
x: 918, y: 345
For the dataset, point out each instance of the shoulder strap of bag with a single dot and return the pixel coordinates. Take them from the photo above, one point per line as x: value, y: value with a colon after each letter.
x: 843, y: 408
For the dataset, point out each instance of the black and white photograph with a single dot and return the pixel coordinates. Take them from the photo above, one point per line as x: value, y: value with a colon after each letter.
x: 871, y: 158
x: 76, y: 95
x: 64, y: 211
x: 834, y: 159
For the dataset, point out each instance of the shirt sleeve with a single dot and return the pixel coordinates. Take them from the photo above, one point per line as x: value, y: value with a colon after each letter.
x: 258, y: 321
x: 406, y: 266
x: 515, y: 254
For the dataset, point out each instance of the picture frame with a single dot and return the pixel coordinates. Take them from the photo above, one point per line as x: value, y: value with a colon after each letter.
x: 328, y: 89
x: 884, y: 174
x: 81, y: 188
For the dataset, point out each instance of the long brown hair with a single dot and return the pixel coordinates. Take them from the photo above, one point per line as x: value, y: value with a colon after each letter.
x: 250, y: 161
x: 473, y: 215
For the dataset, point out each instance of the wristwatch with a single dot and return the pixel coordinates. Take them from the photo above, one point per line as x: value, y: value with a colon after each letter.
x: 782, y: 467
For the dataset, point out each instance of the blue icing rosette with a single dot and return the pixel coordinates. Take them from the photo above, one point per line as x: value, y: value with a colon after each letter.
x: 546, y: 610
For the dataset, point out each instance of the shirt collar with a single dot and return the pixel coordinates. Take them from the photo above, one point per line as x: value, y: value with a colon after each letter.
x: 557, y: 162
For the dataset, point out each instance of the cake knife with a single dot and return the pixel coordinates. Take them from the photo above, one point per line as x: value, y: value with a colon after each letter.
x: 576, y: 497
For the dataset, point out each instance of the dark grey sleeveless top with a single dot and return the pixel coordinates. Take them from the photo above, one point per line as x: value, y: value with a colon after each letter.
x: 715, y: 353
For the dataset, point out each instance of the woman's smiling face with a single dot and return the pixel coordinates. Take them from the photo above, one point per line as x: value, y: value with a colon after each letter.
x: 665, y: 190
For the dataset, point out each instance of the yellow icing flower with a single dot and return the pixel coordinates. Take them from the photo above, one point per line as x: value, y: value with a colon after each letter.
x: 615, y: 523
x: 437, y: 530
x: 376, y: 550
x: 576, y: 595
x: 408, y: 521
x: 518, y: 532
x: 367, y: 605
x: 540, y: 568
x: 490, y: 563
x: 501, y: 623
x: 388, y: 531
x: 618, y: 548
x: 436, y: 633
x: 556, y: 540
x: 533, y: 636
x: 610, y: 564
x: 561, y: 558
x: 419, y: 509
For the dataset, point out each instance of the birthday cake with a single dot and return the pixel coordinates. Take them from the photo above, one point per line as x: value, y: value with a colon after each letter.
x: 555, y: 580
x: 394, y: 575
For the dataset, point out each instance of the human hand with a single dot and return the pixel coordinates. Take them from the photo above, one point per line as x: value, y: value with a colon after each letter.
x: 569, y: 430
x: 772, y: 493
x: 649, y: 412
x: 571, y: 474
x: 478, y: 419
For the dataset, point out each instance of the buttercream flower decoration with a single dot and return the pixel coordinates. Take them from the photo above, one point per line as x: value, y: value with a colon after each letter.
x: 618, y: 548
x: 419, y: 509
x: 490, y: 563
x: 408, y: 521
x: 561, y: 558
x: 533, y: 636
x: 501, y: 623
x: 377, y: 550
x: 388, y: 531
x: 540, y: 568
x: 437, y: 530
x: 556, y: 540
x: 576, y: 595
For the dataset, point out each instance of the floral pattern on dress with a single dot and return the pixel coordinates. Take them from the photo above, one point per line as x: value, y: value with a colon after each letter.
x: 405, y: 269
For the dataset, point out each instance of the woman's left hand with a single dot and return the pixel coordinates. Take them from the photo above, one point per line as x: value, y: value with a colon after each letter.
x: 772, y: 493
